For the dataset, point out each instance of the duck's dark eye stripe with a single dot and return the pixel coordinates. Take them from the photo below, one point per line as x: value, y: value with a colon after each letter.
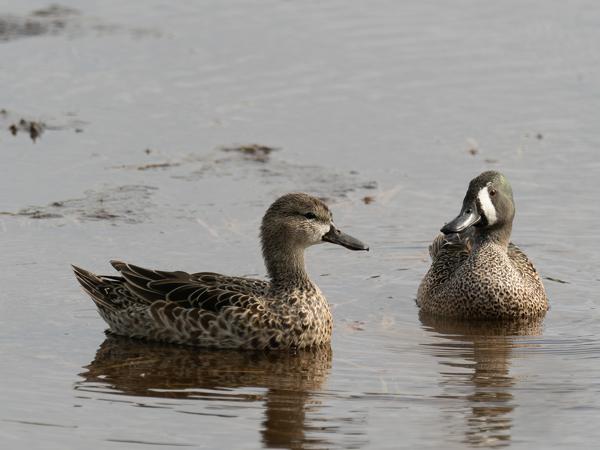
x: 310, y: 215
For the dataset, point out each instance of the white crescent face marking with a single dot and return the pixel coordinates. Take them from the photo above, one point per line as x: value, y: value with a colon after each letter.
x: 487, y: 206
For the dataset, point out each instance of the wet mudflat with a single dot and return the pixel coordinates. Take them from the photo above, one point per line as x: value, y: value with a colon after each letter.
x: 167, y: 129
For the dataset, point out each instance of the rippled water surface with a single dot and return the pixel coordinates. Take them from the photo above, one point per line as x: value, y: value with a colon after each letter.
x: 115, y: 121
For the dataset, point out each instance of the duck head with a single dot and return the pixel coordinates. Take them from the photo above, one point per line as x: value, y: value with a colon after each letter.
x: 487, y: 206
x: 299, y: 220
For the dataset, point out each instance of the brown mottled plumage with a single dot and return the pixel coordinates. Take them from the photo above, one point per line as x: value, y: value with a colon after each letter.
x: 476, y: 272
x: 212, y: 310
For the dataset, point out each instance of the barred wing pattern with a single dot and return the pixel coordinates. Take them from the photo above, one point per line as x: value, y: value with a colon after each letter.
x: 207, y: 290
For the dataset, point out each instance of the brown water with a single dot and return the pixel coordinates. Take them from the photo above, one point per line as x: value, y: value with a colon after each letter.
x: 400, y: 102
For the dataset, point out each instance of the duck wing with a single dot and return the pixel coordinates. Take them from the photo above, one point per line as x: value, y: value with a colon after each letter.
x: 207, y: 290
x: 451, y: 247
x: 448, y: 253
x: 107, y: 292
x: 521, y: 261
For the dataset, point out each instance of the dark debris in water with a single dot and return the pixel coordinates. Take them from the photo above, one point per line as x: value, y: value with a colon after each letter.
x: 556, y: 280
x: 240, y: 163
x: 34, y: 213
x: 126, y: 204
x: 41, y: 424
x: 146, y: 443
x: 46, y: 21
x: 57, y: 19
x: 253, y: 152
x: 473, y: 147
x: 368, y: 199
x: 163, y: 165
x: 54, y: 11
x: 356, y: 325
x: 31, y: 127
x: 101, y: 214
x: 149, y: 166
x: 368, y: 184
x: 17, y: 124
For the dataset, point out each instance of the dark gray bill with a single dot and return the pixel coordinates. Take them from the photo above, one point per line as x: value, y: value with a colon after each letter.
x: 467, y: 218
x: 335, y: 236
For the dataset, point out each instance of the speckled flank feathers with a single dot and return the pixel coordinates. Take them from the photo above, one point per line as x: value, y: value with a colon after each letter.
x: 212, y: 310
x: 476, y: 272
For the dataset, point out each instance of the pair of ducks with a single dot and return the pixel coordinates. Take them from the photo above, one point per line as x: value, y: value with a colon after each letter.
x: 476, y: 273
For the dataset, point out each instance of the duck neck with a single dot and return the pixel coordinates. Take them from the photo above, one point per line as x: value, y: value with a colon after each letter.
x: 499, y: 235
x: 285, y: 266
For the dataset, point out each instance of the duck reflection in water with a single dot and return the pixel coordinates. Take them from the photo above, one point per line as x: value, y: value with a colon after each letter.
x: 476, y: 359
x: 139, y: 368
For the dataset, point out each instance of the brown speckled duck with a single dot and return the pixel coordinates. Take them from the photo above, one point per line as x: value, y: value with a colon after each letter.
x: 212, y: 310
x: 476, y: 272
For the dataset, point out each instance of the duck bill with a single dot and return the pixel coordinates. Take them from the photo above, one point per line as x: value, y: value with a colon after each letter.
x: 335, y: 236
x: 466, y: 219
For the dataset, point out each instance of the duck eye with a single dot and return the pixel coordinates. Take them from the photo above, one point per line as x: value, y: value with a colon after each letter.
x: 492, y: 192
x: 310, y: 215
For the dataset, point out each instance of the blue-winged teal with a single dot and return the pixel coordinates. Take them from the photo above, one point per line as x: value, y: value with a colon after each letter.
x: 476, y: 272
x: 212, y: 310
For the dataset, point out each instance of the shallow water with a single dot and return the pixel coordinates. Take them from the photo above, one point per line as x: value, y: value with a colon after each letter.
x: 385, y: 108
